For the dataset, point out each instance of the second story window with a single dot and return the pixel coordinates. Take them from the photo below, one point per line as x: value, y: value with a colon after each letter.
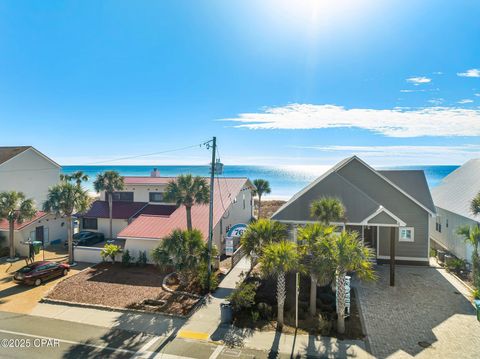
x: 438, y: 224
x: 156, y: 197
x: 123, y: 196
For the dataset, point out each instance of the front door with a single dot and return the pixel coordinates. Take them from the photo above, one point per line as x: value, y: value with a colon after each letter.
x: 39, y: 234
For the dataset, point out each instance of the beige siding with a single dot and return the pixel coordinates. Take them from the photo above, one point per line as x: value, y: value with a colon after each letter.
x: 134, y: 246
x: 29, y: 173
x: 141, y: 192
x: 448, y: 238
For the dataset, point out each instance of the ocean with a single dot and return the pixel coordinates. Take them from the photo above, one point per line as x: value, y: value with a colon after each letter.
x: 284, y: 181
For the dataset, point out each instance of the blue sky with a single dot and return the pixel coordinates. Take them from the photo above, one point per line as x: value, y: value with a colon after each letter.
x: 278, y: 82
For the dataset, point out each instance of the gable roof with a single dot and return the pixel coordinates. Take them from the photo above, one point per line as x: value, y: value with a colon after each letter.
x: 8, y: 153
x: 18, y: 226
x: 158, y: 226
x: 456, y: 191
x: 412, y: 182
x: 404, y: 181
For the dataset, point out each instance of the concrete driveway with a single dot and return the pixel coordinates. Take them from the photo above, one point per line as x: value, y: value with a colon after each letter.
x: 427, y: 314
x: 19, y: 298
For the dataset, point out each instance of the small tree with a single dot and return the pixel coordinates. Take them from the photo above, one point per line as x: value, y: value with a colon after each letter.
x: 260, y: 233
x: 278, y: 259
x: 65, y: 199
x: 315, y: 258
x: 348, y: 254
x: 15, y: 208
x: 261, y: 187
x: 471, y: 235
x: 327, y: 210
x: 110, y: 182
x: 110, y: 251
x: 187, y: 191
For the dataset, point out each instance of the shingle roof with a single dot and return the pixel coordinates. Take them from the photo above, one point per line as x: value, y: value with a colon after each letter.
x: 156, y: 227
x: 120, y: 210
x: 414, y: 183
x: 457, y: 190
x: 7, y: 153
x: 18, y: 226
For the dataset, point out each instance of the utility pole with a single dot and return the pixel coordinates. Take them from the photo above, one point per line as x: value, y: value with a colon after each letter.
x: 210, y: 215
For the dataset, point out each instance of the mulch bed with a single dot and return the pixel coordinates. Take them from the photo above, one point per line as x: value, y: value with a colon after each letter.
x: 114, y: 285
x: 323, y: 324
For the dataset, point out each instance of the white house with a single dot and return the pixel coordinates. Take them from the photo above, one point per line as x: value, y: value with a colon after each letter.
x: 452, y: 198
x: 25, y: 169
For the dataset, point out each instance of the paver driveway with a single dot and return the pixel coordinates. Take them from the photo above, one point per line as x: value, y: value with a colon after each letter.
x: 426, y: 305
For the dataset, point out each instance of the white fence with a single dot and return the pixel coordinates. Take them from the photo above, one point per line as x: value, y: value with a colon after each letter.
x: 90, y: 254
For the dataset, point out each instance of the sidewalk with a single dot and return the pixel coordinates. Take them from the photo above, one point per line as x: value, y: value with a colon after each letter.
x: 203, y: 323
x: 155, y: 324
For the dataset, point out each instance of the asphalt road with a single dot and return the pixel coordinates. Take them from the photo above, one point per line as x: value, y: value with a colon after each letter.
x: 25, y: 336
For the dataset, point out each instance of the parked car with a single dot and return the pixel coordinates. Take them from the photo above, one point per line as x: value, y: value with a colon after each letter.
x: 86, y: 238
x: 38, y: 272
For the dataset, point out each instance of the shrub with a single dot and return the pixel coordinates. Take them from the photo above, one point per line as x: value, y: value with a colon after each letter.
x: 455, y: 265
x: 433, y: 252
x: 243, y: 297
x: 110, y: 251
x: 142, y: 259
x: 203, y: 280
x: 127, y: 259
x: 255, y: 315
x: 476, y: 294
x: 265, y: 310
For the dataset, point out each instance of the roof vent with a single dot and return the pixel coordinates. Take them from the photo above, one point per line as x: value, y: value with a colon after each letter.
x: 155, y: 173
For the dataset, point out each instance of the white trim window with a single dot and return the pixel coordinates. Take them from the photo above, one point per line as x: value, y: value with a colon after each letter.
x: 406, y: 234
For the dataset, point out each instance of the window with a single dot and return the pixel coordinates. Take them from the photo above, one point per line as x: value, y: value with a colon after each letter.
x: 406, y: 234
x: 438, y: 224
x: 244, y: 204
x: 90, y: 223
x: 123, y: 196
x: 446, y: 223
x: 156, y: 196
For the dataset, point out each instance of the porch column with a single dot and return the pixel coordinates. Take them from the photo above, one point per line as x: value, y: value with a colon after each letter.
x: 392, y: 256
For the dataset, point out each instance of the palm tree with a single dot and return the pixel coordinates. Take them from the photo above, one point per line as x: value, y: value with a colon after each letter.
x: 261, y: 187
x: 327, y: 210
x: 182, y: 250
x: 65, y: 199
x: 260, y: 233
x: 78, y: 177
x: 475, y: 205
x: 278, y: 259
x: 14, y: 207
x: 109, y: 181
x: 187, y: 190
x: 348, y: 254
x: 471, y: 235
x: 315, y: 258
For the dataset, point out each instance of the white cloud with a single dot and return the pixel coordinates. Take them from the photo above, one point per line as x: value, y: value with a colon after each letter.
x: 396, y: 122
x: 438, y: 73
x: 407, y: 91
x: 465, y: 100
x: 477, y: 94
x: 469, y: 73
x: 436, y: 101
x: 419, y: 80
x: 404, y: 154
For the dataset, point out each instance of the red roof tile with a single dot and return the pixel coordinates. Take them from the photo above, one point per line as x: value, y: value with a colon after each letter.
x: 18, y: 226
x: 155, y: 227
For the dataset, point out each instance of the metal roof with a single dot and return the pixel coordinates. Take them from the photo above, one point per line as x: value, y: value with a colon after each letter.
x: 457, y: 190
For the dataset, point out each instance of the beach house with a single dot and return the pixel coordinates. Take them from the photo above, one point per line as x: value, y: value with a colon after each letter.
x: 25, y: 169
x: 390, y: 209
x: 141, y: 216
x: 452, y: 198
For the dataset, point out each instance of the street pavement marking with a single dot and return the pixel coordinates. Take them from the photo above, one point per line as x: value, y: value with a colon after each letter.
x: 144, y: 354
x: 216, y: 352
x: 188, y: 334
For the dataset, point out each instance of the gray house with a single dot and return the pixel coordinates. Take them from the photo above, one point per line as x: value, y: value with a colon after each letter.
x: 389, y: 209
x: 452, y: 199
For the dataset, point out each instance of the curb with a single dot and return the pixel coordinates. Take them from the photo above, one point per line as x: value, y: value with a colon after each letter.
x: 362, y: 322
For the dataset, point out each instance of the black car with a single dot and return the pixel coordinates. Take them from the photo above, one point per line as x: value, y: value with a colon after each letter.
x: 86, y: 238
